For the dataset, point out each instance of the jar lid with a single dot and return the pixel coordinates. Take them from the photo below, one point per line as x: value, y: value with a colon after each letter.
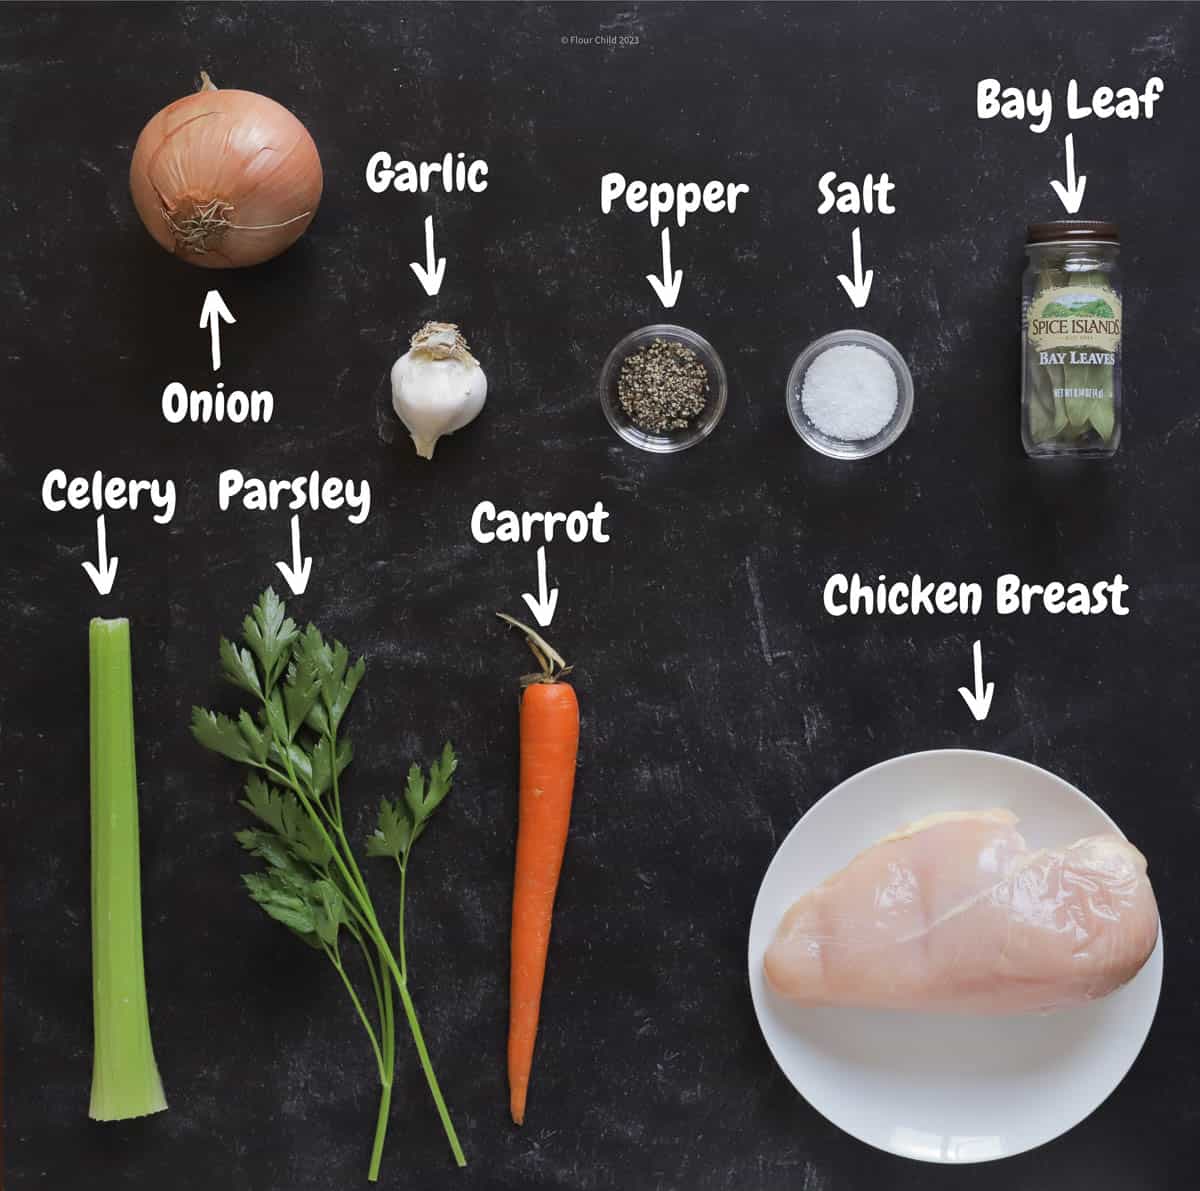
x: 1066, y: 231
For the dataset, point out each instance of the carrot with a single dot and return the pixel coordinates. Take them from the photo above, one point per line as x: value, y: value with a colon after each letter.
x: 549, y: 745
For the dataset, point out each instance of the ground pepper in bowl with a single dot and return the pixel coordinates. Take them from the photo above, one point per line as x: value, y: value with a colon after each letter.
x: 663, y: 386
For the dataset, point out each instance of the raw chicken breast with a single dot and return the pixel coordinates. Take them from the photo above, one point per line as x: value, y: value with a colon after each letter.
x: 954, y: 913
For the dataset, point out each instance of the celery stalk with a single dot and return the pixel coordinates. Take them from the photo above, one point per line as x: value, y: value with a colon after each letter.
x: 125, y: 1080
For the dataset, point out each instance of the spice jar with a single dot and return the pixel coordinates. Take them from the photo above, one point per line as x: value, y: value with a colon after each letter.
x: 1071, y: 340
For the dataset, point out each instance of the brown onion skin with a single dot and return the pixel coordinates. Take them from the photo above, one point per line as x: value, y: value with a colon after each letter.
x: 235, y: 147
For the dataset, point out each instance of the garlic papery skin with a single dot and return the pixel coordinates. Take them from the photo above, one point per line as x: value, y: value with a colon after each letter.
x: 437, y: 386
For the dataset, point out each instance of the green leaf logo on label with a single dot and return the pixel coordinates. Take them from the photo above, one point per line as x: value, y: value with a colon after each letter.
x: 1075, y: 317
x: 1083, y: 303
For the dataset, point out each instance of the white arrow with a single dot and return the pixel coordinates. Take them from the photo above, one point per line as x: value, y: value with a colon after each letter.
x: 547, y: 598
x: 666, y: 286
x: 435, y: 267
x: 103, y: 574
x: 297, y: 574
x: 979, y: 701
x: 1071, y: 195
x: 858, y: 290
x: 210, y: 316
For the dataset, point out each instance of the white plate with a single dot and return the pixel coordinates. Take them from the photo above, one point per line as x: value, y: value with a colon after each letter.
x: 935, y: 1087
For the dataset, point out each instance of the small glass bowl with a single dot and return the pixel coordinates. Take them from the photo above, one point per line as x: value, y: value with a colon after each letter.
x: 840, y: 448
x: 675, y: 440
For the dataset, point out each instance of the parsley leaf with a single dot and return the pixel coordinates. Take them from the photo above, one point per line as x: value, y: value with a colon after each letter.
x: 329, y: 911
x: 287, y: 900
x: 239, y: 668
x: 300, y: 693
x: 258, y: 742
x: 322, y: 768
x: 348, y: 684
x: 270, y: 634
x: 339, y: 680
x: 221, y: 734
x: 414, y: 791
x: 274, y: 849
x: 402, y: 823
x: 393, y: 836
x: 276, y: 717
x: 287, y: 818
x: 313, y: 909
x: 441, y: 777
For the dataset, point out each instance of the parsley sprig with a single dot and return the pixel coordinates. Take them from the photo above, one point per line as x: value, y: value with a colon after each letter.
x: 300, y: 688
x: 402, y: 823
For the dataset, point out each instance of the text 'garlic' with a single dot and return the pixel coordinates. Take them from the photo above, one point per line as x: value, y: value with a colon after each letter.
x: 437, y: 386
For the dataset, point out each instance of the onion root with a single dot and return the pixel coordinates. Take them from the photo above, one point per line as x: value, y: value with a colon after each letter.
x: 211, y: 219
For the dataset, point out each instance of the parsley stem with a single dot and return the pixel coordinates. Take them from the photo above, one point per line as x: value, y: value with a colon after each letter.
x: 357, y: 886
x: 335, y: 959
x: 390, y: 1027
x: 333, y: 770
x: 366, y: 953
x: 377, y: 935
x: 403, y: 899
x: 418, y: 1038
x: 385, y: 1100
x: 337, y: 823
x: 354, y: 881
x: 359, y: 916
x: 385, y: 1057
x: 387, y: 1024
x: 381, y: 1127
x: 430, y: 1078
x: 414, y: 1025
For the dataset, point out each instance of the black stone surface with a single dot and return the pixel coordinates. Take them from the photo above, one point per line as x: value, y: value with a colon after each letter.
x: 719, y: 701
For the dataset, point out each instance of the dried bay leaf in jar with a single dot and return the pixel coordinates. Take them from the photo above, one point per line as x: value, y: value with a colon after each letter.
x: 1071, y: 316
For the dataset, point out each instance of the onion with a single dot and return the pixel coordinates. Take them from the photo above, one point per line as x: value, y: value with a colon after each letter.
x: 225, y: 179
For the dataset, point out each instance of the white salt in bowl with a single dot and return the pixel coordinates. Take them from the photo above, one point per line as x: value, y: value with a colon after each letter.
x: 840, y: 448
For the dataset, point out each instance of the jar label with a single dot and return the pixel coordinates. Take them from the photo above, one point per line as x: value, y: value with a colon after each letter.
x: 1067, y: 318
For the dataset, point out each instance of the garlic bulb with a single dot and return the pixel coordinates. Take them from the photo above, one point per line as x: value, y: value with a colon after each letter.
x: 437, y: 385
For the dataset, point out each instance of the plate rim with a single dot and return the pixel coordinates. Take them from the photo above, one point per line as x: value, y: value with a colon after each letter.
x: 1158, y: 954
